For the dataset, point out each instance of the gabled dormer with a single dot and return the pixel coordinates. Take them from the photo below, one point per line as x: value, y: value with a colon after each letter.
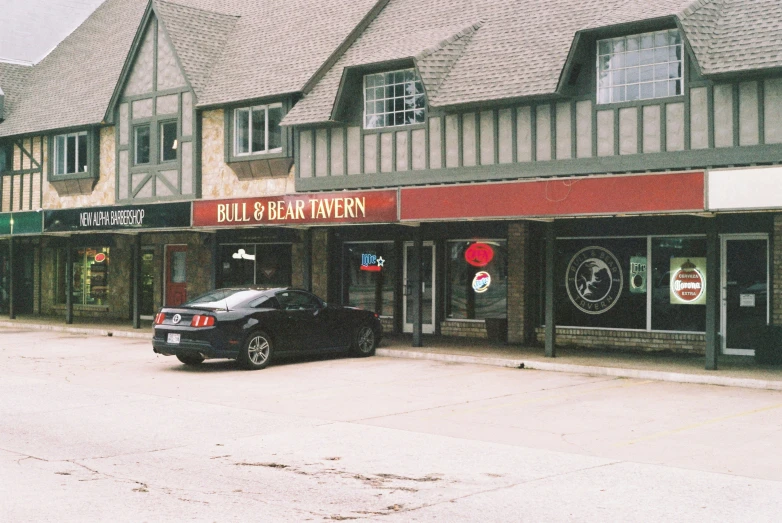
x: 154, y: 104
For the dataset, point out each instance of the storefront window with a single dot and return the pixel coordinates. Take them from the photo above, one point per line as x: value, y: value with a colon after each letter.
x: 477, y: 280
x: 370, y: 276
x: 670, y: 311
x: 607, y: 282
x: 90, y: 276
x: 593, y: 288
x: 259, y: 265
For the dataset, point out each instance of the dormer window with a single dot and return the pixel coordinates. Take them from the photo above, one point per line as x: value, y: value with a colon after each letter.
x: 640, y: 67
x: 257, y: 129
x: 393, y: 99
x: 70, y: 153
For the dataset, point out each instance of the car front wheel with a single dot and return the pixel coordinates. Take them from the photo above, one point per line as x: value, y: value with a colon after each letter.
x: 365, y: 341
x: 257, y: 351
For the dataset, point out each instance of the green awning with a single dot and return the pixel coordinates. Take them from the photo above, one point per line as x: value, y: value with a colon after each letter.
x: 22, y: 222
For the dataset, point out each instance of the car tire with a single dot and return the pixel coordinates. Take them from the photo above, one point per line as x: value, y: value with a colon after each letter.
x: 257, y: 351
x: 189, y: 359
x: 364, y: 341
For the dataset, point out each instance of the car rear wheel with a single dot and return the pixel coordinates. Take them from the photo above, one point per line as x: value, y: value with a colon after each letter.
x: 189, y: 359
x: 365, y: 341
x: 257, y: 351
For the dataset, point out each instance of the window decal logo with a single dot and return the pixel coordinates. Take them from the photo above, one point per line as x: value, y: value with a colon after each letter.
x: 100, y: 257
x: 594, y: 280
x: 479, y: 254
x: 481, y: 282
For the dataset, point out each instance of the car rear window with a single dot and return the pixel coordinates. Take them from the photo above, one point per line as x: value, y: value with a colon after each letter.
x: 223, y: 298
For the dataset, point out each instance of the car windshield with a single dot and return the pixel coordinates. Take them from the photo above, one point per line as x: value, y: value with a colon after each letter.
x: 223, y: 298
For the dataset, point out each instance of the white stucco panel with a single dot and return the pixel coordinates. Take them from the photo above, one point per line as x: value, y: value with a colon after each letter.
x: 749, y: 188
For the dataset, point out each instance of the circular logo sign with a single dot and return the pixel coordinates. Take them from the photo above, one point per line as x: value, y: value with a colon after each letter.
x: 100, y: 257
x: 688, y: 282
x: 176, y: 319
x: 594, y: 280
x: 479, y: 254
x: 481, y: 282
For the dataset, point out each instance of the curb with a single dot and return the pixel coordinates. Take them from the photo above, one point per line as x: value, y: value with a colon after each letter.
x: 78, y: 330
x: 676, y: 377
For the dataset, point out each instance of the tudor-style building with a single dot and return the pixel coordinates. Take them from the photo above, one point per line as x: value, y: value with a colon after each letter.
x: 599, y: 175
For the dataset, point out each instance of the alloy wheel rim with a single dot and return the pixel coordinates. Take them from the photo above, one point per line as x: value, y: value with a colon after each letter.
x: 258, y: 350
x: 366, y: 339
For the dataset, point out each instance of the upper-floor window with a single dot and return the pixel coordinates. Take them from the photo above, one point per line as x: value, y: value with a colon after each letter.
x: 168, y: 141
x: 639, y: 67
x: 257, y: 129
x: 70, y: 153
x: 141, y: 141
x: 393, y: 98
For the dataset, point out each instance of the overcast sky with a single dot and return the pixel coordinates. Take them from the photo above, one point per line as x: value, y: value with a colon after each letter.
x: 30, y: 29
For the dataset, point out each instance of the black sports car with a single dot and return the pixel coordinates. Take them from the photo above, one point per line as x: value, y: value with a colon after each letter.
x: 253, y: 326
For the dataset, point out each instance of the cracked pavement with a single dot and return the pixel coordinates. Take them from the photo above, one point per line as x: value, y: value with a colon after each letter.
x: 101, y: 429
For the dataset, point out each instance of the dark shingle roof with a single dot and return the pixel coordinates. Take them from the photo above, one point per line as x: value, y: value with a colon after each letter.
x: 12, y: 80
x: 730, y: 36
x: 73, y: 84
x: 521, y: 46
x: 198, y: 36
x: 231, y: 50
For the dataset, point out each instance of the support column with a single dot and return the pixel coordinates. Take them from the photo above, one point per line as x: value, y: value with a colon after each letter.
x: 713, y: 295
x: 11, y: 276
x: 415, y: 283
x: 137, y: 282
x: 401, y: 291
x: 69, y: 282
x: 550, y: 328
x: 518, y: 234
x: 306, y: 241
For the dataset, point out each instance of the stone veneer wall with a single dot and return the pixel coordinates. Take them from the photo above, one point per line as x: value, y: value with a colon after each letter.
x: 320, y: 263
x: 103, y: 192
x: 199, y: 261
x: 642, y: 341
x: 518, y: 242
x: 218, y: 180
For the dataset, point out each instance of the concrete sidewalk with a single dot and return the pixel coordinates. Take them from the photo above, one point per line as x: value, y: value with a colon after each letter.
x: 663, y: 366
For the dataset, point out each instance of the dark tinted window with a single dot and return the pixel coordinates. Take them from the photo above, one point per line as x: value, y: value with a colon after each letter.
x: 296, y: 300
x: 266, y: 302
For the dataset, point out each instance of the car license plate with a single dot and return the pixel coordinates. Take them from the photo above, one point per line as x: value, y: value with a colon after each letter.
x: 173, y: 338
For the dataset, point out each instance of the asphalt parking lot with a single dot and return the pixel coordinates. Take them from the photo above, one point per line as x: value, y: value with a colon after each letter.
x: 100, y: 428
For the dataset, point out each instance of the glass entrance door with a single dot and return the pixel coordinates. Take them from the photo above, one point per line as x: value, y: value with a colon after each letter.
x: 744, y: 291
x: 427, y: 286
x: 176, y: 275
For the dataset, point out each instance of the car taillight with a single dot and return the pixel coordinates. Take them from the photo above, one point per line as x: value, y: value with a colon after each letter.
x: 202, y: 320
x: 159, y: 318
x: 377, y: 315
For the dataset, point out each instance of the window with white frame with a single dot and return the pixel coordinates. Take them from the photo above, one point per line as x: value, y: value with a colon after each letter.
x: 393, y: 98
x: 257, y: 129
x: 70, y: 153
x: 640, y: 67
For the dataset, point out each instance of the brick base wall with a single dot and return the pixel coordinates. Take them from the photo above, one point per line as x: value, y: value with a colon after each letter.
x: 463, y: 329
x: 518, y: 234
x: 628, y: 340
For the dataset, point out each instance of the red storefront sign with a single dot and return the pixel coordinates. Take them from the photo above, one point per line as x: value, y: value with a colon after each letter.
x: 342, y: 207
x: 557, y: 197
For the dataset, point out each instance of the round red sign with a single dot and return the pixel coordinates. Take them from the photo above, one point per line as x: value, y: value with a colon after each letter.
x: 688, y: 283
x: 479, y: 254
x: 100, y: 257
